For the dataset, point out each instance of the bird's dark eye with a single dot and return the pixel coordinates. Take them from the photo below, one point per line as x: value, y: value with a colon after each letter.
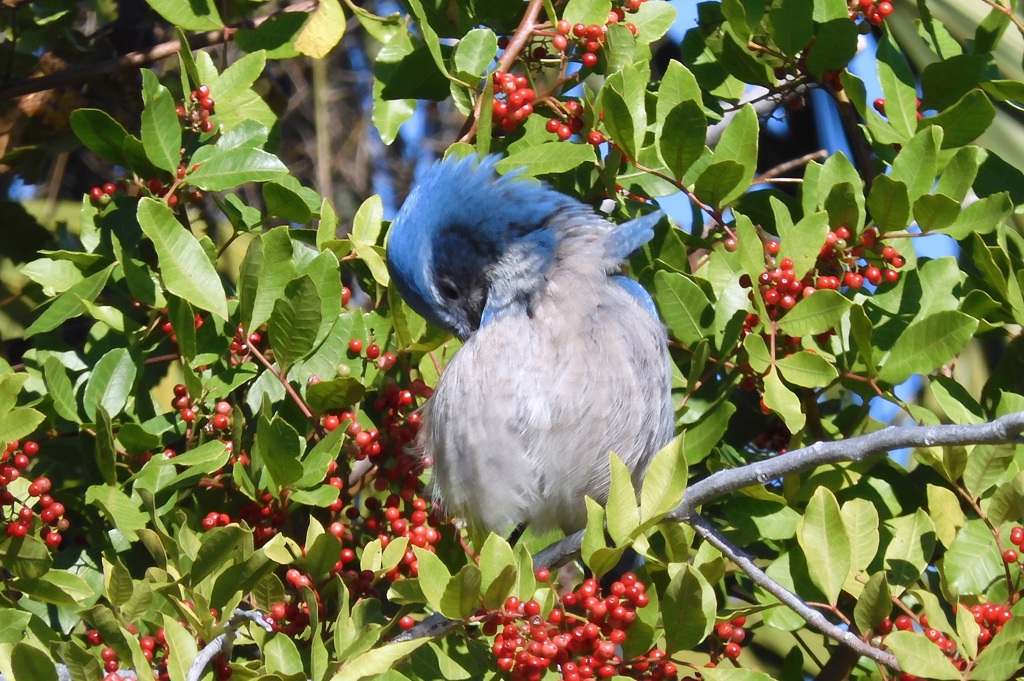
x: 447, y: 290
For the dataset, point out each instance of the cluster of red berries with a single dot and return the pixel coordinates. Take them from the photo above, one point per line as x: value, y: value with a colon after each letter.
x: 199, y: 109
x: 154, y: 648
x: 570, y: 123
x: 104, y: 194
x: 292, y: 617
x: 730, y: 636
x: 20, y: 519
x: 266, y: 516
x: 990, y: 618
x: 873, y: 12
x: 589, y: 39
x: 839, y: 265
x: 513, y: 100
x: 241, y: 343
x: 385, y: 361
x: 582, y: 637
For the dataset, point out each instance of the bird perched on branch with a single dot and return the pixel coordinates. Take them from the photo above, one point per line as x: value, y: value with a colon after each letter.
x: 564, y: 359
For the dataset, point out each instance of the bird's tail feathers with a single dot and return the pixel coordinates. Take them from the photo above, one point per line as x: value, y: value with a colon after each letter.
x: 631, y: 235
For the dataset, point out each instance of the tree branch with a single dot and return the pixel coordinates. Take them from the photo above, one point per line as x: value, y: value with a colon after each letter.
x: 1004, y: 429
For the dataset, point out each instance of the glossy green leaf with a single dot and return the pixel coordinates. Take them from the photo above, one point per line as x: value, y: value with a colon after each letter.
x: 806, y: 369
x: 684, y: 307
x: 783, y: 401
x: 664, y: 482
x: 681, y: 141
x: 111, y: 383
x: 966, y: 120
x: 920, y: 657
x: 185, y: 268
x: 195, y: 15
x: 927, y: 345
x: 689, y: 609
x: 295, y: 321
x: 981, y: 216
x: 835, y: 46
x: 874, y: 604
x: 718, y: 182
x: 621, y: 511
x: 889, y: 203
x: 910, y: 549
x: 815, y: 314
x: 161, y: 131
x: 791, y: 25
x: 475, y: 51
x: 29, y: 662
x: 825, y: 542
x: 547, y: 158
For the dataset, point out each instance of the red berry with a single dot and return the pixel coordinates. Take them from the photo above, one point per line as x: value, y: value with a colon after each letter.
x: 1010, y: 556
x: 579, y: 30
x: 30, y: 448
x: 898, y: 261
x: 773, y: 247
x: 563, y: 27
x: 732, y: 650
x: 202, y: 92
x: 188, y: 415
x: 904, y: 623
x: 589, y: 59
x: 1017, y: 535
x: 355, y: 346
x: 206, y: 126
x: 564, y: 132
x: 221, y: 422
x: 372, y: 351
x: 885, y: 8
x: 879, y: 105
x: 595, y: 137
x: 406, y: 622
x: 560, y: 43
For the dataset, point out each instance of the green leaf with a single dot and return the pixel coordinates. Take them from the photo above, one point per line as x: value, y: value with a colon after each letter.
x: 783, y: 401
x: 378, y: 661
x: 965, y: 121
x: 677, y: 85
x: 972, y: 564
x: 959, y: 173
x: 899, y: 88
x: 547, y: 158
x: 740, y: 63
x: 935, y: 211
x: 684, y: 307
x: 911, y: 547
x: 718, y: 182
x: 194, y: 15
x: 287, y: 199
x: 295, y: 321
x: 625, y: 129
x: 234, y: 160
x: 185, y: 267
x: 739, y: 143
x: 323, y: 31
x: 161, y: 131
x: 278, y: 449
x: 106, y: 455
x: 462, y: 597
x: 111, y: 383
x: 920, y: 657
x: 497, y: 571
x: 874, y: 604
x: 681, y: 138
x: 29, y: 662
x: 621, y: 509
x: 801, y: 242
x: 791, y: 25
x: 1001, y: 658
x: 987, y: 466
x: 807, y: 369
x: 119, y: 510
x: 71, y: 303
x: 815, y: 314
x: 981, y: 217
x: 822, y: 535
x: 834, y: 47
x: 944, y: 510
x: 98, y: 131
x: 334, y: 394
x: 688, y: 609
x: 367, y: 223
x: 928, y: 345
x: 19, y: 422
x: 889, y: 204
x: 917, y: 163
x: 218, y: 550
x: 59, y: 386
x: 664, y: 482
x: 433, y: 576
x: 475, y: 51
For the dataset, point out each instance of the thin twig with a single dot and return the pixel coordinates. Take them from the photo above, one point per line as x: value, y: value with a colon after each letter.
x: 306, y: 411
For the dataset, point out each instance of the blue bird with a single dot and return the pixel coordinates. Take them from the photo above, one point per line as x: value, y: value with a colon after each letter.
x: 564, y: 360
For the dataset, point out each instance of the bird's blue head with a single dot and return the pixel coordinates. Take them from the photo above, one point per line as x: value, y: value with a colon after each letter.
x: 459, y: 225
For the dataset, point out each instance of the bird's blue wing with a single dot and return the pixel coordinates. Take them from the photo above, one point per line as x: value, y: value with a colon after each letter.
x: 633, y: 288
